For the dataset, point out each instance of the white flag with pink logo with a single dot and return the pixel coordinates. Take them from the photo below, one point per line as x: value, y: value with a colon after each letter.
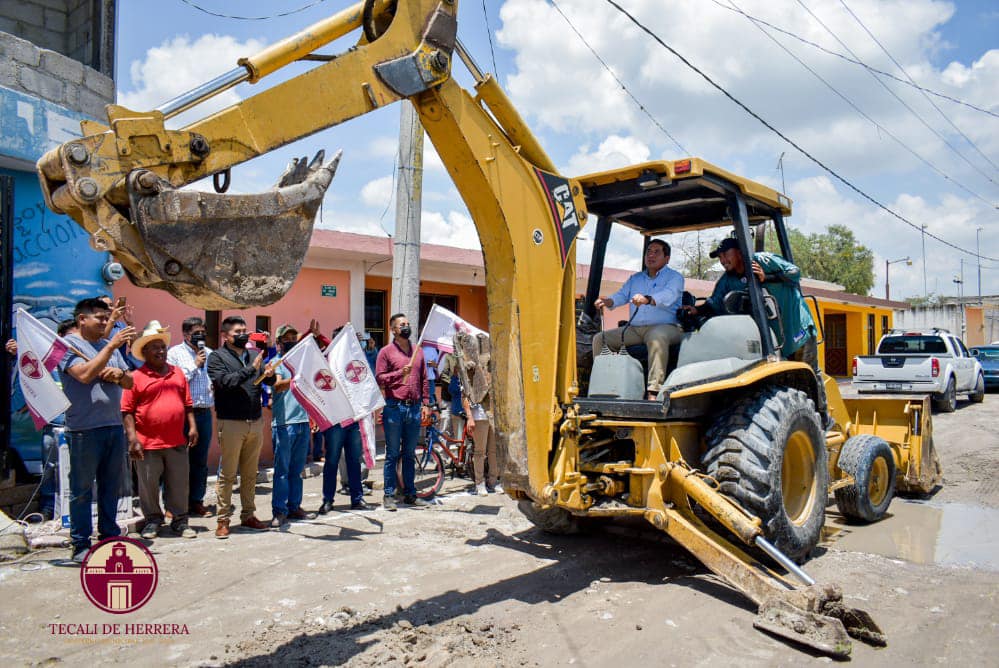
x: 350, y: 367
x: 39, y: 350
x: 441, y: 326
x: 315, y: 386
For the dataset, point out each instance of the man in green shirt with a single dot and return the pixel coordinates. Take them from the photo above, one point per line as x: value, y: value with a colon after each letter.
x: 781, y: 279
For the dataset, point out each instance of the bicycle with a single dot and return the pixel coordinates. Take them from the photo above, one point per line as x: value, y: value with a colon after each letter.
x: 430, y: 463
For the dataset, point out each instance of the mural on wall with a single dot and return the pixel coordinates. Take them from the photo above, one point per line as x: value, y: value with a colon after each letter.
x: 53, y: 264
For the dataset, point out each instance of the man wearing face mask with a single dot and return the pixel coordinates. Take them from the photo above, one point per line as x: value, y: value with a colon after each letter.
x: 232, y: 369
x: 290, y: 429
x: 190, y: 357
x: 402, y: 375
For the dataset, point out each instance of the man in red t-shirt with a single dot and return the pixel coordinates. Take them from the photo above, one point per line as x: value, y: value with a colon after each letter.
x: 158, y: 414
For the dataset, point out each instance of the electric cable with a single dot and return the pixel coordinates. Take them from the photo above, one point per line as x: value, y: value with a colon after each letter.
x: 865, y: 115
x: 903, y: 71
x: 814, y: 45
x: 489, y: 34
x: 610, y: 71
x: 896, y: 96
x: 252, y: 18
x: 787, y: 139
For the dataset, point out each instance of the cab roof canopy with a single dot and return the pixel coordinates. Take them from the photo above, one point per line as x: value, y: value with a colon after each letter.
x: 665, y: 197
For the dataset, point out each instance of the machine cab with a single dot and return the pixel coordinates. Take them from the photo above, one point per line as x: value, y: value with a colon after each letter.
x: 659, y: 199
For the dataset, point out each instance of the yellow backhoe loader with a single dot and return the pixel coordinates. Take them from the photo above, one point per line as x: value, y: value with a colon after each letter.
x: 731, y: 460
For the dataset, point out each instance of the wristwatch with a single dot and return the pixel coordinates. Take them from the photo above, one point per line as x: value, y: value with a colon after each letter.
x: 651, y: 301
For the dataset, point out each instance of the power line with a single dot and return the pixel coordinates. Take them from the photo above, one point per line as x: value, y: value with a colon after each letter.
x: 489, y: 34
x: 864, y: 114
x: 896, y: 96
x: 903, y: 71
x: 780, y: 134
x: 836, y: 54
x: 252, y: 18
x: 610, y: 71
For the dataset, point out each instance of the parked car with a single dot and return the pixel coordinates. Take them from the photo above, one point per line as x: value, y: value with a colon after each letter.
x: 988, y: 357
x: 922, y: 361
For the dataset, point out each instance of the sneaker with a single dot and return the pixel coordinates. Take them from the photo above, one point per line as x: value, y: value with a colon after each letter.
x: 278, y: 521
x: 151, y: 530
x: 80, y: 554
x: 480, y: 489
x: 415, y: 502
x: 327, y: 507
x: 186, y: 532
x: 388, y: 503
x: 497, y: 488
x: 361, y: 505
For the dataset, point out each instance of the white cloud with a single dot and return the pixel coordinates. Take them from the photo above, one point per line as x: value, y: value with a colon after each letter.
x: 455, y: 229
x: 378, y: 193
x: 181, y: 64
x: 615, y: 151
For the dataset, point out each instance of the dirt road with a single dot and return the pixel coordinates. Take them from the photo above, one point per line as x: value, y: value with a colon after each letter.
x: 470, y: 582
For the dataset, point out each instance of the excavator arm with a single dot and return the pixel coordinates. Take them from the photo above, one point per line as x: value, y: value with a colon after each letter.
x: 122, y: 183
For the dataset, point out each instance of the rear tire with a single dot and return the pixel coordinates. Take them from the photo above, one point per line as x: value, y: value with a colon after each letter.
x: 870, y: 461
x: 768, y: 453
x: 947, y: 403
x: 429, y: 472
x: 554, y: 520
x: 978, y: 396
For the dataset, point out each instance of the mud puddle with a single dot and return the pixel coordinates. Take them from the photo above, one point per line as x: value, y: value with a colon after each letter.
x: 952, y: 534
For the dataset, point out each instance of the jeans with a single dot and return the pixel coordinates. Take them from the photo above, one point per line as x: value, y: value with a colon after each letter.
x: 198, y: 458
x: 95, y: 454
x: 50, y: 471
x: 291, y: 447
x: 347, y: 440
x: 317, y: 445
x: 402, y: 431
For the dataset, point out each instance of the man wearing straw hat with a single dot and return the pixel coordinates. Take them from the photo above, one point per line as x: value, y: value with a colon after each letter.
x: 159, y: 427
x: 93, y: 375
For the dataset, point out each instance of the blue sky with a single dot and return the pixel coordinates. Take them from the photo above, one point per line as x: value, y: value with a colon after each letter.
x: 586, y: 123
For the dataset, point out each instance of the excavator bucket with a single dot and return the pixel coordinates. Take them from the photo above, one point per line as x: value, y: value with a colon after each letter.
x: 219, y: 251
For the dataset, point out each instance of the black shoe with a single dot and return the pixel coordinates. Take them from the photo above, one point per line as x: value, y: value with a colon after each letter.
x: 361, y: 505
x: 80, y: 554
x: 389, y: 504
x: 415, y: 501
x: 327, y: 507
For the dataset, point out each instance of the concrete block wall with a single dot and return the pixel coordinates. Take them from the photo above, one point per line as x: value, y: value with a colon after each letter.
x: 51, y: 76
x: 64, y: 26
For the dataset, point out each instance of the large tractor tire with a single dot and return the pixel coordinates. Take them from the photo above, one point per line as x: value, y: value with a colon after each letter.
x: 978, y: 395
x: 870, y: 461
x: 768, y: 453
x: 947, y: 402
x: 554, y: 520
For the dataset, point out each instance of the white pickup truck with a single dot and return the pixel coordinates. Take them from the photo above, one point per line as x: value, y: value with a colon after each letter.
x: 921, y: 361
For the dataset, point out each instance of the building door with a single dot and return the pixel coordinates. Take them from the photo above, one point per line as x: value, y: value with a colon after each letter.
x: 374, y: 316
x: 836, y: 363
x: 427, y: 301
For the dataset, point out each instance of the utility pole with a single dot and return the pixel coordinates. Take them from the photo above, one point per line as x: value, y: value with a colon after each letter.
x: 978, y: 252
x: 923, y: 233
x: 408, y: 204
x: 960, y: 298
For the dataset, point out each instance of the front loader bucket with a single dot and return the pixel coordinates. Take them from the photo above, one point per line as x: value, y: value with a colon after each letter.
x: 906, y: 424
x: 218, y: 251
